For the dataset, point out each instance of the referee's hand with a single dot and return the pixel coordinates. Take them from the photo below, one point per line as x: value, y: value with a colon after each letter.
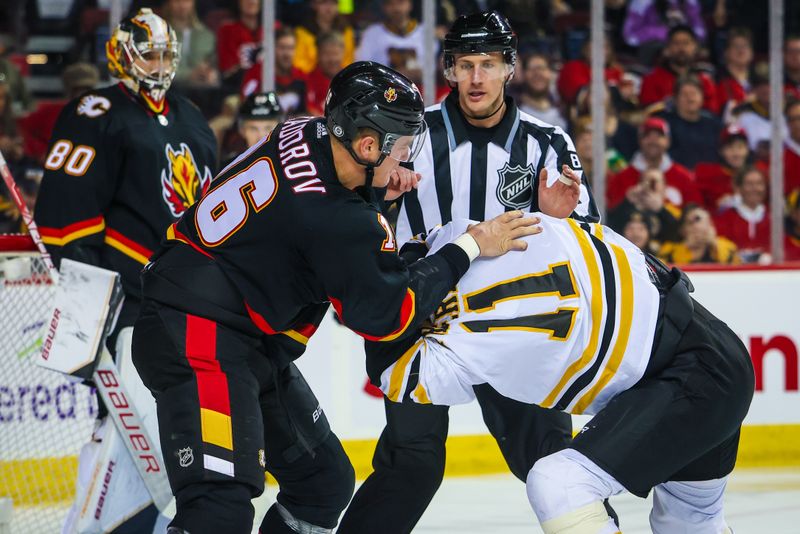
x: 504, y: 233
x: 560, y: 199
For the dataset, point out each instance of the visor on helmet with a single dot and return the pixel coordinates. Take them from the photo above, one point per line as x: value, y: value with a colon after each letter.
x: 153, y: 64
x: 405, y: 148
x: 483, y: 66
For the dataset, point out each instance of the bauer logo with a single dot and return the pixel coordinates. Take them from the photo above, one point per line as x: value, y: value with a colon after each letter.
x: 51, y: 334
x: 316, y: 413
x: 185, y: 457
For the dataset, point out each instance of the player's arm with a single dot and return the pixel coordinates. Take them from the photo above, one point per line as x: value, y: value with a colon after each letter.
x: 560, y: 152
x: 77, y: 184
x: 381, y: 298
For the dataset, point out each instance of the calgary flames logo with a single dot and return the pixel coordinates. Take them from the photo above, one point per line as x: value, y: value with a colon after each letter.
x: 182, y: 183
x: 390, y: 95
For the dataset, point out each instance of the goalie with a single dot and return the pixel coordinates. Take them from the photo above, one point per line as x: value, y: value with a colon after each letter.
x: 583, y: 322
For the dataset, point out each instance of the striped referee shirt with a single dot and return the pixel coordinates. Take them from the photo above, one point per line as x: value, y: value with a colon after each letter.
x: 464, y: 177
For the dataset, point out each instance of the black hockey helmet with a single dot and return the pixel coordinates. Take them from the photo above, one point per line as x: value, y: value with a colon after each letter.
x: 370, y: 95
x: 480, y: 33
x: 261, y: 106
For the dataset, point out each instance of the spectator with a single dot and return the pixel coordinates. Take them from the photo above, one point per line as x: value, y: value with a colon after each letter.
x: 680, y: 56
x: 733, y: 80
x: 753, y: 116
x: 621, y: 135
x: 637, y: 230
x: 648, y: 197
x: 396, y: 42
x: 577, y: 73
x: 747, y: 223
x: 654, y: 139
x: 258, y: 115
x: 700, y: 243
x: 695, y: 131
x: 791, y: 148
x: 20, y: 98
x: 331, y: 48
x: 37, y: 126
x: 536, y: 97
x: 325, y: 19
x: 582, y: 134
x: 791, y: 66
x: 792, y: 228
x: 290, y: 82
x: 715, y: 179
x: 198, y: 45
x: 238, y: 44
x: 650, y: 21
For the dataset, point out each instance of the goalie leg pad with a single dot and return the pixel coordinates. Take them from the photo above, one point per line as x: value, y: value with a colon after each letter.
x: 566, y: 491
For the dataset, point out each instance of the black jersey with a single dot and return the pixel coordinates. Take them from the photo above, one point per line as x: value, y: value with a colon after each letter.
x: 117, y: 175
x: 278, y: 238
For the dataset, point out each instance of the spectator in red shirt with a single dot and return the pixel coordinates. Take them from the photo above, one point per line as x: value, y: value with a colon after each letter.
x: 290, y: 82
x: 733, y: 80
x: 577, y: 73
x: 238, y: 44
x: 648, y: 197
x: 791, y: 148
x: 37, y: 127
x: 715, y: 179
x: 791, y: 66
x: 680, y: 56
x: 330, y: 58
x: 746, y: 223
x: 654, y: 140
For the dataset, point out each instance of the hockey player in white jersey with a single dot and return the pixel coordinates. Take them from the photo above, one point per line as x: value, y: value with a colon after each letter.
x: 584, y: 322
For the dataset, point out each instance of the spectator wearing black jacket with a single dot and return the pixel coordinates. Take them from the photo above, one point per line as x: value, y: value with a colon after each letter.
x: 695, y: 132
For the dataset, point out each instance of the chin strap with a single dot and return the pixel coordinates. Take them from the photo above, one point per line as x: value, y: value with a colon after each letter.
x: 370, y: 175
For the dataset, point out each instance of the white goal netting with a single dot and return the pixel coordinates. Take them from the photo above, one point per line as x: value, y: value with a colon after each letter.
x: 44, y: 417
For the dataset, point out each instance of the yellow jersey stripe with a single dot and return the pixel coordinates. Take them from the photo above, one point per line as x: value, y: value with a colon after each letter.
x: 623, y: 334
x: 596, y: 310
x: 399, y: 372
x: 297, y: 336
x: 216, y: 428
x: 128, y: 251
x: 68, y: 238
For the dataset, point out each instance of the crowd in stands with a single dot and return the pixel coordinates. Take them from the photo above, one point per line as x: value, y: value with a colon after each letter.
x: 687, y: 104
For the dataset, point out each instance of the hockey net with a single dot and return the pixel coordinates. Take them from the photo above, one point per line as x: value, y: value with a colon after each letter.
x: 44, y: 417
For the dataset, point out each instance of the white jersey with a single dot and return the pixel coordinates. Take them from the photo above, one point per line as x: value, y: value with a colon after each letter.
x: 552, y: 326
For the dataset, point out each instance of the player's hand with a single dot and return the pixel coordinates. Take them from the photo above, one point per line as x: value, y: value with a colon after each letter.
x: 401, y: 180
x: 504, y: 233
x: 560, y: 199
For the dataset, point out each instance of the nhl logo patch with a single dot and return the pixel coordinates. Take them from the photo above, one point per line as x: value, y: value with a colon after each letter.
x: 514, y: 186
x: 390, y: 94
x: 185, y: 457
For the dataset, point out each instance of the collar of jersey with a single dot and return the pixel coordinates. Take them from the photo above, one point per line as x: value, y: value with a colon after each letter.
x: 455, y: 123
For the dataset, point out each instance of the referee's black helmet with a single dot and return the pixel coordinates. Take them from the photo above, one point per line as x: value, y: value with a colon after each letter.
x: 261, y: 106
x: 370, y: 95
x: 480, y: 33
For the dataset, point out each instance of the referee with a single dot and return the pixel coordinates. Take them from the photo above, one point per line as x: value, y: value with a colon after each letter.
x: 483, y: 156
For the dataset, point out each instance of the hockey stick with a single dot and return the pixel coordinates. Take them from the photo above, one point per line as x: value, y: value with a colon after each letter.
x: 27, y: 218
x: 105, y: 374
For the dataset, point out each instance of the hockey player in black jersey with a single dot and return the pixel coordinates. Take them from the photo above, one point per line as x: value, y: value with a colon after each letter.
x: 124, y: 163
x: 244, y: 279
